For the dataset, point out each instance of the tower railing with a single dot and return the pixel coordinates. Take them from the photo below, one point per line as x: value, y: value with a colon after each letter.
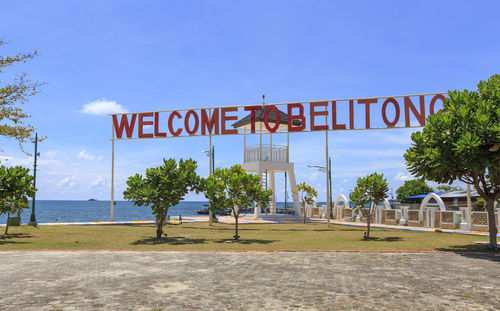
x: 272, y: 153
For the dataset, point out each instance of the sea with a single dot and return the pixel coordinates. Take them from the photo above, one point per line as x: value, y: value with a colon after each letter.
x: 85, y: 211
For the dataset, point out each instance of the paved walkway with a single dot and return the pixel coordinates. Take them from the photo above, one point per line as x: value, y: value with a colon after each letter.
x: 148, y: 280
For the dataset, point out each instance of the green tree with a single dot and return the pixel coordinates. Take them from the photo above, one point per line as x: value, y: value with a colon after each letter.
x: 462, y: 142
x: 370, y: 190
x: 16, y: 186
x: 236, y: 189
x: 449, y: 188
x: 163, y: 187
x: 13, y: 94
x: 412, y: 187
x: 307, y: 195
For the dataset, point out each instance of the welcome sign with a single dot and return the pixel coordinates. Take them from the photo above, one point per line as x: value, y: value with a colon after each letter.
x: 326, y: 115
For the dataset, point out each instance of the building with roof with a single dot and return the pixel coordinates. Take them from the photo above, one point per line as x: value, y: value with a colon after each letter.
x: 451, y: 198
x: 268, y: 159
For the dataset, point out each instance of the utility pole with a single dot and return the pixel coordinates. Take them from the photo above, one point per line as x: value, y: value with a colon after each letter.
x: 32, y: 221
x: 213, y: 217
x: 330, y: 178
x: 286, y: 193
x: 210, y: 174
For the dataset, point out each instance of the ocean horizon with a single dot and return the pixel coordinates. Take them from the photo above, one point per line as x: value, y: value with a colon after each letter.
x: 86, y: 211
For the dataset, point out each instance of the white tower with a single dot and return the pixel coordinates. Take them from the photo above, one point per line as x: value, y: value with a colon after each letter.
x: 268, y: 159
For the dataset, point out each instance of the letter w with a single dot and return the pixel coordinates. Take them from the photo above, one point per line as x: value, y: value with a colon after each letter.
x: 129, y: 128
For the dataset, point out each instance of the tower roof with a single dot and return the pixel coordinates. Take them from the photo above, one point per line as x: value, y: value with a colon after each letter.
x: 245, y: 122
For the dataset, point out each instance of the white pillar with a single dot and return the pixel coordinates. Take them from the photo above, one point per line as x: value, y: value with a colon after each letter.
x: 469, y: 209
x: 257, y: 210
x: 295, y: 196
x: 273, y: 196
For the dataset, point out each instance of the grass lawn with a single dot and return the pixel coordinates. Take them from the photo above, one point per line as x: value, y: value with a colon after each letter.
x: 201, y: 236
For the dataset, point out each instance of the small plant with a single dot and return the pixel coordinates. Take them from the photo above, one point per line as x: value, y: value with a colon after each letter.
x: 307, y: 195
x: 234, y: 188
x: 370, y: 190
x: 16, y: 186
x: 163, y: 187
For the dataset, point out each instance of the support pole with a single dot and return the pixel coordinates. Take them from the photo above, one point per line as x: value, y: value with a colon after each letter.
x: 271, y: 143
x: 112, y: 171
x: 32, y: 221
x: 330, y: 179
x: 260, y: 144
x: 210, y: 173
x: 286, y: 193
x: 327, y: 182
x: 287, y: 147
x: 469, y: 209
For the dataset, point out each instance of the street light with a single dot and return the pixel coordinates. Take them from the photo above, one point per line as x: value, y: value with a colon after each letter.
x: 209, y: 154
x: 328, y: 171
x: 32, y: 221
x: 319, y: 167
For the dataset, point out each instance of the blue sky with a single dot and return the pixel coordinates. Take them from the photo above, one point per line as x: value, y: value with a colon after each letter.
x: 161, y: 55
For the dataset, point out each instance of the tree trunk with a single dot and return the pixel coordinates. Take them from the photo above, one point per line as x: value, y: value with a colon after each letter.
x: 304, y: 211
x: 368, y: 221
x: 7, y: 226
x: 368, y: 227
x: 490, y: 208
x: 159, y: 226
x: 236, y: 236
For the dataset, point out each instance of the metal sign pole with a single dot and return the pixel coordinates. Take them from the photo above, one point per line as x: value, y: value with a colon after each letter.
x: 210, y: 168
x: 327, y: 182
x: 330, y: 178
x: 32, y: 221
x: 112, y: 171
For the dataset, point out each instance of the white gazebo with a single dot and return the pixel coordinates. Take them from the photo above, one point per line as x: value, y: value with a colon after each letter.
x: 268, y: 159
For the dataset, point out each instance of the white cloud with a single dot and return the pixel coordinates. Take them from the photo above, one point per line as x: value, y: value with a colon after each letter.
x: 314, y: 176
x: 403, y: 177
x: 45, y: 159
x: 344, y: 181
x: 50, y: 154
x: 103, y: 107
x: 83, y: 155
x: 13, y: 161
x: 68, y: 182
x: 99, y: 181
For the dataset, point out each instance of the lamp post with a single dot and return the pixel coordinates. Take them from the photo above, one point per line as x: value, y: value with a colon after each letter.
x: 32, y: 221
x: 211, y: 156
x: 328, y: 172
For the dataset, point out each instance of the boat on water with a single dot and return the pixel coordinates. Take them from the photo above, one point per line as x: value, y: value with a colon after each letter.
x: 203, y: 211
x: 91, y: 199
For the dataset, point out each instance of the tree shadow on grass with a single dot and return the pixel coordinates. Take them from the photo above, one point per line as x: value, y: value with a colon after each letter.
x: 245, y: 241
x: 386, y: 239
x: 180, y: 240
x: 352, y: 229
x: 174, y: 240
x: 7, y: 239
x: 476, y: 251
x: 218, y: 228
